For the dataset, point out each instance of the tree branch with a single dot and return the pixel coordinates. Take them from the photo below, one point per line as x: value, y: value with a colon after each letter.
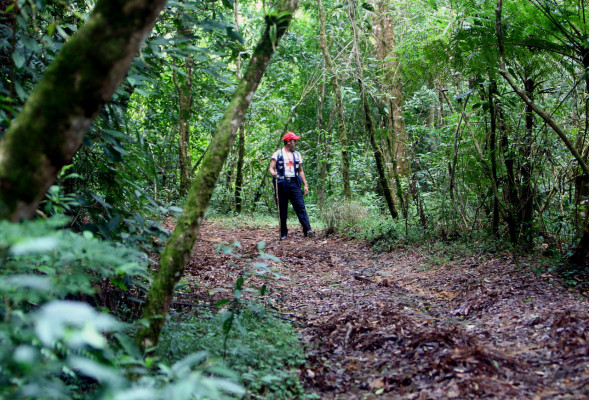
x: 541, y: 113
x: 179, y: 246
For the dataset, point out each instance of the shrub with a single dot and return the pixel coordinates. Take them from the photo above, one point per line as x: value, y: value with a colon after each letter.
x: 264, y: 350
x: 54, y: 348
x: 343, y: 215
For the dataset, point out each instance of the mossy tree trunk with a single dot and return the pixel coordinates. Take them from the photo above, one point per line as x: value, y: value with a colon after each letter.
x: 343, y: 134
x: 384, y: 34
x: 56, y: 117
x: 239, y: 170
x: 323, y: 143
x: 493, y: 151
x: 183, y: 83
x: 525, y: 214
x: 241, y: 141
x: 378, y: 156
x: 179, y: 246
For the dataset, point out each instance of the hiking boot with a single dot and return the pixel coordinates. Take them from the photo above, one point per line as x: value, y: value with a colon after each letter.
x: 283, y: 237
x: 310, y: 233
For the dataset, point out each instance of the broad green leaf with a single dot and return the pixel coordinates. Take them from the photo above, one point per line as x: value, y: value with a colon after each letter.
x: 138, y: 393
x: 34, y: 282
x: 261, y: 266
x: 97, y: 371
x: 269, y: 257
x: 221, y: 303
x: 20, y: 91
x: 36, y: 245
x: 226, y: 386
x: 463, y: 95
x: 19, y: 60
x: 184, y: 366
x: 234, y: 35
x: 367, y: 6
x: 30, y: 44
x: 212, y: 25
x: 26, y: 354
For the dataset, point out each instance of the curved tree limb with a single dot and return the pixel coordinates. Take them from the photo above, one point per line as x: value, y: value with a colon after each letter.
x: 541, y: 113
x: 179, y: 246
x: 54, y: 120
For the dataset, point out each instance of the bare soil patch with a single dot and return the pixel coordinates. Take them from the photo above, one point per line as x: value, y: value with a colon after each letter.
x: 381, y: 326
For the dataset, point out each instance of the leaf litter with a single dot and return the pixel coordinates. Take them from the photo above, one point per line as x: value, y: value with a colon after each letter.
x: 381, y: 326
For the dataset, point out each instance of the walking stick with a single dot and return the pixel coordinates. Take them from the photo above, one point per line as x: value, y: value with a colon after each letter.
x: 278, y: 206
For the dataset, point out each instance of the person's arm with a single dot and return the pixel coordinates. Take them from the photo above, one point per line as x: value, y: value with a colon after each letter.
x: 272, y: 168
x: 302, y: 175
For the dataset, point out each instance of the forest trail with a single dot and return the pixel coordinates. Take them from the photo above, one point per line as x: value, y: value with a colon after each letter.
x: 383, y: 326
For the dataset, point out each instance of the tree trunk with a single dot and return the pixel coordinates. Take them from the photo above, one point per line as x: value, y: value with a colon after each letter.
x: 581, y: 160
x: 239, y: 170
x: 183, y: 83
x: 511, y: 194
x: 579, y: 256
x: 54, y: 120
x: 581, y: 252
x: 456, y: 143
x: 526, y: 192
x: 323, y: 164
x: 395, y: 120
x: 343, y: 134
x: 11, y: 20
x: 323, y: 144
x: 380, y: 164
x: 241, y: 141
x: 179, y: 246
x: 493, y: 151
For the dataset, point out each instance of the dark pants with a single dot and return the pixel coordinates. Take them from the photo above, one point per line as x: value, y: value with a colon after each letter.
x: 290, y: 189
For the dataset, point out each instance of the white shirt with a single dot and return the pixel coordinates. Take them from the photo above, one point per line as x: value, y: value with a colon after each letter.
x: 289, y: 170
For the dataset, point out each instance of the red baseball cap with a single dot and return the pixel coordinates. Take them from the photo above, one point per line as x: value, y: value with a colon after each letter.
x: 290, y: 136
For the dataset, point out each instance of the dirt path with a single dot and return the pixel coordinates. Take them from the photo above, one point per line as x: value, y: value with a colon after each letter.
x: 383, y: 326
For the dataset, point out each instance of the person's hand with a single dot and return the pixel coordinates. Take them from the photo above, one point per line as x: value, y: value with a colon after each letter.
x: 306, y: 190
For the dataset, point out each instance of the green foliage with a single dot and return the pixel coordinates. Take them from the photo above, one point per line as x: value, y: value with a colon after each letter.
x: 53, y: 348
x: 342, y: 215
x: 58, y: 202
x: 59, y: 263
x: 31, y: 34
x: 263, y: 349
x: 245, y: 332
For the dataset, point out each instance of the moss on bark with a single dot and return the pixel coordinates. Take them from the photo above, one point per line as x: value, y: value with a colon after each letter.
x: 179, y: 246
x: 57, y: 115
x: 343, y: 133
x: 378, y: 156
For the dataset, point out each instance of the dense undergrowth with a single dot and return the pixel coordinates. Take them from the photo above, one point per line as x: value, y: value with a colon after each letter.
x: 360, y: 221
x: 68, y: 315
x: 263, y: 351
x: 442, y: 245
x: 61, y: 339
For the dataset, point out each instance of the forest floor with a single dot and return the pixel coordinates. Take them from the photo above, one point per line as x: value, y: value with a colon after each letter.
x: 386, y: 325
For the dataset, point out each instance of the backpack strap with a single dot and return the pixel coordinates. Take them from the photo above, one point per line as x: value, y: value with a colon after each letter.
x: 296, y: 161
x: 280, y: 163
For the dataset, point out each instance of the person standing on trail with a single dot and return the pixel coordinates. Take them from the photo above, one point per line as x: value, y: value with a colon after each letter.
x: 286, y: 168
